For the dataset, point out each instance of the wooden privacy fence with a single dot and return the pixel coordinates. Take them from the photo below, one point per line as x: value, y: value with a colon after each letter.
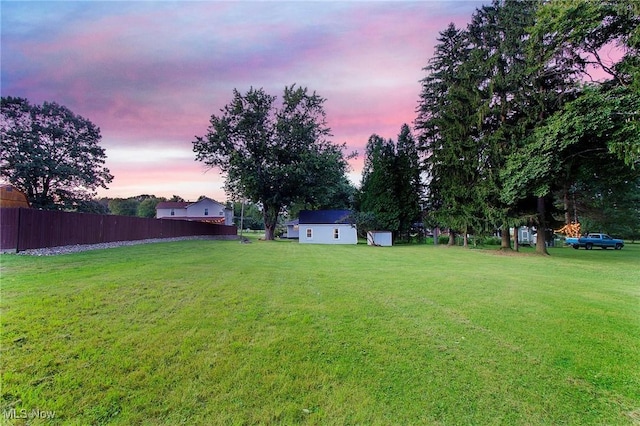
x: 24, y: 229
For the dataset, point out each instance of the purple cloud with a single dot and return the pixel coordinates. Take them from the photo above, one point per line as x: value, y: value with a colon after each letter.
x: 150, y: 74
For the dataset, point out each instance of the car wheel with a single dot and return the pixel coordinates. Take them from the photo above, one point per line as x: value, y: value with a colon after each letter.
x: 575, y: 246
x: 618, y: 246
x: 588, y: 246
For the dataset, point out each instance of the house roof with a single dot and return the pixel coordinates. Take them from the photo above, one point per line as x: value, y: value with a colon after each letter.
x: 173, y: 205
x: 292, y: 222
x: 325, y: 216
x: 12, y: 197
x: 207, y: 199
x: 184, y: 204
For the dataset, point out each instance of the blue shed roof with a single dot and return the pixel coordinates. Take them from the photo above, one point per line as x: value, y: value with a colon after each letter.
x: 325, y: 216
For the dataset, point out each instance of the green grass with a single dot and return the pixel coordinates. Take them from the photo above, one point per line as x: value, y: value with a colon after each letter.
x: 217, y: 332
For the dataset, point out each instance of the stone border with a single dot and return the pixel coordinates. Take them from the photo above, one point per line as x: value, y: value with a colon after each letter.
x: 53, y: 251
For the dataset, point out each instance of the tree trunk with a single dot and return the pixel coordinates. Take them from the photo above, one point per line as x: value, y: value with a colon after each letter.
x: 465, y: 238
x: 452, y: 237
x: 506, y: 238
x: 270, y: 214
x: 516, y: 239
x: 567, y: 207
x: 541, y: 244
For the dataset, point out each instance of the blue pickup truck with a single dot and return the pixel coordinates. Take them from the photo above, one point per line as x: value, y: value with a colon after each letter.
x: 590, y: 241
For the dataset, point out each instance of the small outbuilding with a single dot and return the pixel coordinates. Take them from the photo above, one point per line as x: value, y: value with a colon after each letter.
x: 380, y: 238
x: 525, y: 235
x: 12, y: 197
x: 293, y: 229
x: 327, y: 227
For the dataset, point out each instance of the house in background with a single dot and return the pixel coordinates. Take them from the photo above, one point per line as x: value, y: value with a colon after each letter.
x: 204, y: 210
x: 12, y: 197
x: 293, y: 229
x: 525, y: 235
x: 327, y: 227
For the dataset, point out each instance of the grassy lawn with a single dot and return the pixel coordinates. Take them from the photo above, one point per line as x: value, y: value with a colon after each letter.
x: 217, y: 332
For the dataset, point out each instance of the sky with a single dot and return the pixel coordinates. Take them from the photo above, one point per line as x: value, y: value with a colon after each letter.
x: 150, y: 74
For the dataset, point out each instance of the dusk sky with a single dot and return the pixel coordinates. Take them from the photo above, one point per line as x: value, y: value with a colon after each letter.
x: 151, y: 73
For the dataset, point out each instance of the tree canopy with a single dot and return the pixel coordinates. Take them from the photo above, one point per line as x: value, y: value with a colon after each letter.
x: 51, y: 154
x: 274, y: 154
x: 506, y: 123
x: 390, y: 193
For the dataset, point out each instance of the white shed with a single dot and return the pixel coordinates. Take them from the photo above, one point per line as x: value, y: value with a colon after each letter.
x: 327, y: 227
x: 293, y: 229
x: 380, y: 238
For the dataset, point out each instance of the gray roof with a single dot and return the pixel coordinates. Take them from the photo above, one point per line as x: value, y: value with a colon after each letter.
x: 325, y: 216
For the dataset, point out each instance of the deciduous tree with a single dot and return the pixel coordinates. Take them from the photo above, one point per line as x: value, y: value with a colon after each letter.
x: 273, y: 154
x: 51, y: 154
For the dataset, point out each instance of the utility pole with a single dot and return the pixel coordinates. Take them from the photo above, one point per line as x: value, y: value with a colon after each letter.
x: 241, y: 219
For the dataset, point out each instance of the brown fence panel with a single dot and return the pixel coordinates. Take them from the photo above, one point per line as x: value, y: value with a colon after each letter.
x: 9, y: 228
x: 24, y: 229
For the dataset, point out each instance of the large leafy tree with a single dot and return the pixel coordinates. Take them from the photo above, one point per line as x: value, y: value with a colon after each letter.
x: 587, y: 32
x: 51, y: 154
x: 274, y: 154
x: 595, y: 130
x: 584, y: 149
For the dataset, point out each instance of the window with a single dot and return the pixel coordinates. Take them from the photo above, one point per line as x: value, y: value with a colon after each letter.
x: 173, y: 212
x: 309, y: 233
x: 206, y: 212
x: 336, y: 234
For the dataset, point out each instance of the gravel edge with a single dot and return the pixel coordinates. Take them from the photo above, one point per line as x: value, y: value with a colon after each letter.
x: 53, y: 251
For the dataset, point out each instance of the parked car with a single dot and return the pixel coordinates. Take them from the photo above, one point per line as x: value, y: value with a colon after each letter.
x: 590, y: 241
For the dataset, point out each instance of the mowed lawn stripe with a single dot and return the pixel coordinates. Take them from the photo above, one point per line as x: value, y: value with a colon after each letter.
x: 217, y: 332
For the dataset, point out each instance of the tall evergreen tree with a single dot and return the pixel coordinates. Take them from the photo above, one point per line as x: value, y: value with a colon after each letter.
x: 389, y: 196
x: 498, y: 36
x: 377, y: 198
x: 408, y: 183
x: 449, y: 129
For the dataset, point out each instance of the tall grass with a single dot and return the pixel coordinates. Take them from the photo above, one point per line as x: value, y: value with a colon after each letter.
x: 217, y: 332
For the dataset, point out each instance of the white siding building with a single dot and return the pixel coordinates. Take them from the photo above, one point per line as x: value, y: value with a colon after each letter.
x: 380, y: 238
x: 204, y: 210
x: 327, y: 227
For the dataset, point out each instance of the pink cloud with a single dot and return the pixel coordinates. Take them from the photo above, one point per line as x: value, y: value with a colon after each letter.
x: 150, y: 74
